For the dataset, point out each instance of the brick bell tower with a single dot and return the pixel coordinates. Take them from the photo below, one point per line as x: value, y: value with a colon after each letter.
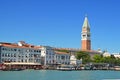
x: 86, y: 42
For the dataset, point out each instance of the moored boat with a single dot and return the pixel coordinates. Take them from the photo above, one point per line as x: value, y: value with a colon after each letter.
x: 117, y: 68
x: 65, y: 68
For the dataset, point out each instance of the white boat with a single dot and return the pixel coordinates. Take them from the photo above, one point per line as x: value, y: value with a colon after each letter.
x: 117, y: 68
x: 65, y: 68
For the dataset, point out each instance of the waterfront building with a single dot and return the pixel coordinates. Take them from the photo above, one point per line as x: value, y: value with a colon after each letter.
x: 47, y: 55
x: 62, y: 58
x: 50, y: 56
x: 85, y: 35
x: 20, y: 54
x: 74, y: 61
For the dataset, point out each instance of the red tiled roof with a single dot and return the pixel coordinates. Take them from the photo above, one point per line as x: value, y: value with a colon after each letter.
x: 13, y: 45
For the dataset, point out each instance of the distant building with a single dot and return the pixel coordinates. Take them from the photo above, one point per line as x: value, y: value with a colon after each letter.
x: 47, y: 55
x: 20, y: 54
x: 62, y: 58
x: 99, y: 50
x: 106, y: 54
x: 116, y: 55
x: 74, y: 61
x: 50, y: 56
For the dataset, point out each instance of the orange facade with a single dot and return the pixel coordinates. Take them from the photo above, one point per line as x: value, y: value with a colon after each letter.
x: 86, y: 45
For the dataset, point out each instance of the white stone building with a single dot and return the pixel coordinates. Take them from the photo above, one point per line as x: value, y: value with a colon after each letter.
x: 74, y: 61
x: 47, y: 55
x: 106, y: 54
x: 116, y: 55
x: 21, y: 53
x: 62, y: 58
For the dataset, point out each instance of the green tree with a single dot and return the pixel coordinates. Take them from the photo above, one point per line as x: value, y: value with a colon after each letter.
x: 84, y: 56
x: 110, y: 59
x: 97, y: 58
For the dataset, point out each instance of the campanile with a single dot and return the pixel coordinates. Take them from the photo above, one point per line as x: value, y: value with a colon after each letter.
x: 86, y: 41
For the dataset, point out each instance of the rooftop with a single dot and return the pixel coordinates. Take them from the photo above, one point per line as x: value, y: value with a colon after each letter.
x: 19, y: 45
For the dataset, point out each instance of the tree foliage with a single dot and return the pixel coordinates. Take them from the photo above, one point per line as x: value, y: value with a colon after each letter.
x: 97, y: 58
x: 84, y: 56
x: 110, y: 59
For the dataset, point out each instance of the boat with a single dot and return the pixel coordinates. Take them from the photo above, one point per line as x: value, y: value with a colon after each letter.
x: 117, y: 68
x: 64, y: 68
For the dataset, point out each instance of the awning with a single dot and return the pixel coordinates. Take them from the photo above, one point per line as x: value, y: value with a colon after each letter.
x: 16, y: 63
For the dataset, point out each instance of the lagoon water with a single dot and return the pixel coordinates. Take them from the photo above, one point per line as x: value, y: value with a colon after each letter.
x: 59, y: 75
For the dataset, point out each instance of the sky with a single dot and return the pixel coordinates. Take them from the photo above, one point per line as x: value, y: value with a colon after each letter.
x: 58, y: 23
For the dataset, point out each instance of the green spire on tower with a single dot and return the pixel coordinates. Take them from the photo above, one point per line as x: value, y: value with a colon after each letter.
x: 86, y: 23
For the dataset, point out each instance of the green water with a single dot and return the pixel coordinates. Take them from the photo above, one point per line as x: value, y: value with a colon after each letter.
x: 59, y: 75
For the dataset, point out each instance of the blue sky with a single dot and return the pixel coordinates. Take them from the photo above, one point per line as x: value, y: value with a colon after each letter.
x: 58, y: 23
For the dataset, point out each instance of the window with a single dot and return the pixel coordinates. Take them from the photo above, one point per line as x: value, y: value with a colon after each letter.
x: 14, y: 55
x: 15, y: 49
x: 19, y: 50
x: 25, y: 60
x: 84, y: 36
x: 27, y: 51
x: 47, y: 62
x: 8, y: 55
x: 66, y: 57
x: 11, y: 60
x: 2, y: 55
x: 46, y: 52
x: 62, y: 57
x: 19, y: 55
x: 34, y: 50
x: 31, y: 50
x: 38, y: 55
x: 88, y: 35
x: 14, y: 60
x: 3, y: 60
x: 3, y: 49
x: 11, y: 55
x: 31, y: 55
x: 22, y: 60
x: 39, y: 51
x: 11, y: 49
x: 58, y: 57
